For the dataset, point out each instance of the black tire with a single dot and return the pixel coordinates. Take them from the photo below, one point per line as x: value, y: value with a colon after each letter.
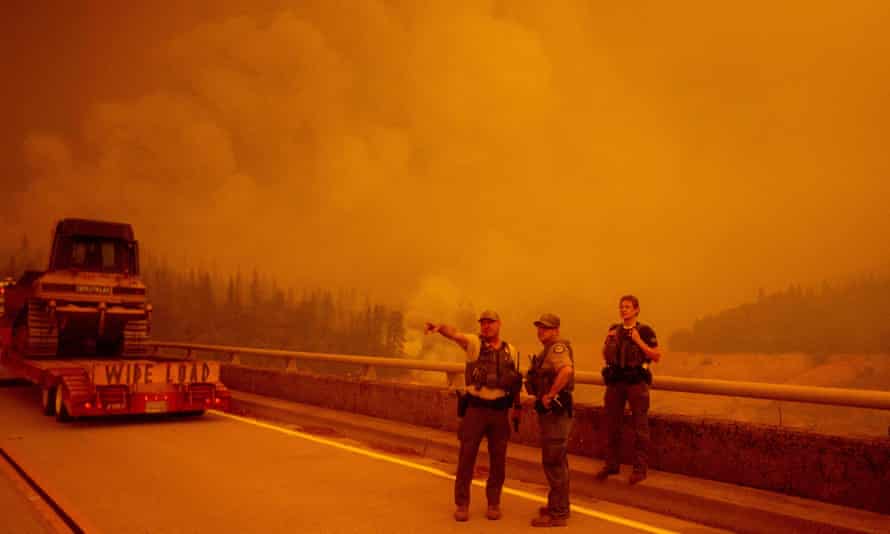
x: 62, y: 415
x: 48, y: 401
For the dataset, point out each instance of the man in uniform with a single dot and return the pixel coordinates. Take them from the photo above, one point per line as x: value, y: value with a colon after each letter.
x: 551, y: 381
x: 492, y: 387
x: 628, y: 349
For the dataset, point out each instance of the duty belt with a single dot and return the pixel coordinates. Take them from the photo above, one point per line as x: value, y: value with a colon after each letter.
x: 630, y: 375
x: 500, y: 403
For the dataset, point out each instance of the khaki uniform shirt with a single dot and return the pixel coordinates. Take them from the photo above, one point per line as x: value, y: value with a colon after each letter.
x: 557, y: 357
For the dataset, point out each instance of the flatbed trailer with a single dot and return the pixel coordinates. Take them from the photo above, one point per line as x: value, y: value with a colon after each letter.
x: 92, y: 387
x: 80, y: 331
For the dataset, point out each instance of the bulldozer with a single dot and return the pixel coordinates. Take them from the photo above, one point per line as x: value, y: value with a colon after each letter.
x: 90, y: 301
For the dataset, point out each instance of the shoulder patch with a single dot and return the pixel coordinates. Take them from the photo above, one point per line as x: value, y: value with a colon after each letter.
x: 559, y: 347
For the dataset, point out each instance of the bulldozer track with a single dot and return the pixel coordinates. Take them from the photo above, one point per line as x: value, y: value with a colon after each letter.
x: 38, y: 336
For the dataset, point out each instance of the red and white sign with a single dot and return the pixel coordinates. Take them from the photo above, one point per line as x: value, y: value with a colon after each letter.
x: 141, y: 372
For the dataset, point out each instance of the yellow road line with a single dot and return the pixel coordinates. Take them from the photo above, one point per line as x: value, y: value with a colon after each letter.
x: 440, y: 473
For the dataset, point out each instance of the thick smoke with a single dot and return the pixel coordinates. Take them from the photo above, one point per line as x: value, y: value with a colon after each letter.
x: 532, y: 158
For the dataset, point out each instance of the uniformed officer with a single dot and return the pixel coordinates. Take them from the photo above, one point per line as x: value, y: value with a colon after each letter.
x: 627, y: 350
x: 492, y: 387
x: 551, y: 379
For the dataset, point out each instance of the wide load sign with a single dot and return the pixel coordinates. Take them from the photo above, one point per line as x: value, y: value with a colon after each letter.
x: 143, y: 372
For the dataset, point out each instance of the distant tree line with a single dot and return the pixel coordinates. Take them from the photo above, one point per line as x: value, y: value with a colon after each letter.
x: 252, y: 310
x: 853, y: 317
x: 255, y: 311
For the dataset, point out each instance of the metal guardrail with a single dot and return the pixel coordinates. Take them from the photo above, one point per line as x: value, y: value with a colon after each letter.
x: 858, y: 398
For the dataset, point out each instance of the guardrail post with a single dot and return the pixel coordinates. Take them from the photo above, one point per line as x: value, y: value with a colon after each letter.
x: 188, y: 354
x: 368, y: 372
x: 235, y: 359
x: 291, y: 365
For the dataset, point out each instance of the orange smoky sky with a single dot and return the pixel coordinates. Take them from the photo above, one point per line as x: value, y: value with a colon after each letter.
x: 521, y: 155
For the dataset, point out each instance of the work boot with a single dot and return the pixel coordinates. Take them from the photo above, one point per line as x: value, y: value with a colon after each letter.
x: 636, y: 476
x: 549, y: 521
x: 604, y: 473
x: 544, y: 510
x: 462, y: 513
x: 494, y: 512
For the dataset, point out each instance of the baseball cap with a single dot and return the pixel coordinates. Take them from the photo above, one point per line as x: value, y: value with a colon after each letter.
x: 548, y: 320
x: 489, y: 315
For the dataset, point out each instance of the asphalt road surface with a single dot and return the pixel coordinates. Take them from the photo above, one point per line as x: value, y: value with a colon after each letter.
x: 18, y: 513
x: 220, y: 474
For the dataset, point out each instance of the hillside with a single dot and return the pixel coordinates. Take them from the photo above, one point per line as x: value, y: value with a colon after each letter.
x: 843, y: 318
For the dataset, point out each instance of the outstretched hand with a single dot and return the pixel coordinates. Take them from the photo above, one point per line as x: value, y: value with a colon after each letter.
x: 430, y: 328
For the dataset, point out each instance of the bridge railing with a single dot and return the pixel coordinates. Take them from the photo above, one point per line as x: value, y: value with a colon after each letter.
x: 857, y: 398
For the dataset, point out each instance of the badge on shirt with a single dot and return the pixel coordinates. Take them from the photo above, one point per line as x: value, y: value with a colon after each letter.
x: 559, y: 348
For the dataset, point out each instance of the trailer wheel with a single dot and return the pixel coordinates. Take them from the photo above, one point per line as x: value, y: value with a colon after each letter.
x: 48, y: 400
x: 61, y: 411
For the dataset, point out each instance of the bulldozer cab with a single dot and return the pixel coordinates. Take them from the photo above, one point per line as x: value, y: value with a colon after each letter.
x: 93, y: 246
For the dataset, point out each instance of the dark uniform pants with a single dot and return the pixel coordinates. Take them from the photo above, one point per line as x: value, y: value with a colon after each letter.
x: 637, y: 395
x: 554, y: 456
x: 495, y: 425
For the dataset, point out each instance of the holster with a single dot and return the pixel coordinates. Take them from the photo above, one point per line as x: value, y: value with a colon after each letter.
x: 567, y: 402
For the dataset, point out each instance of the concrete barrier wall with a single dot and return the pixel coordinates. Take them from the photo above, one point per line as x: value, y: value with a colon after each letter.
x: 849, y: 471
